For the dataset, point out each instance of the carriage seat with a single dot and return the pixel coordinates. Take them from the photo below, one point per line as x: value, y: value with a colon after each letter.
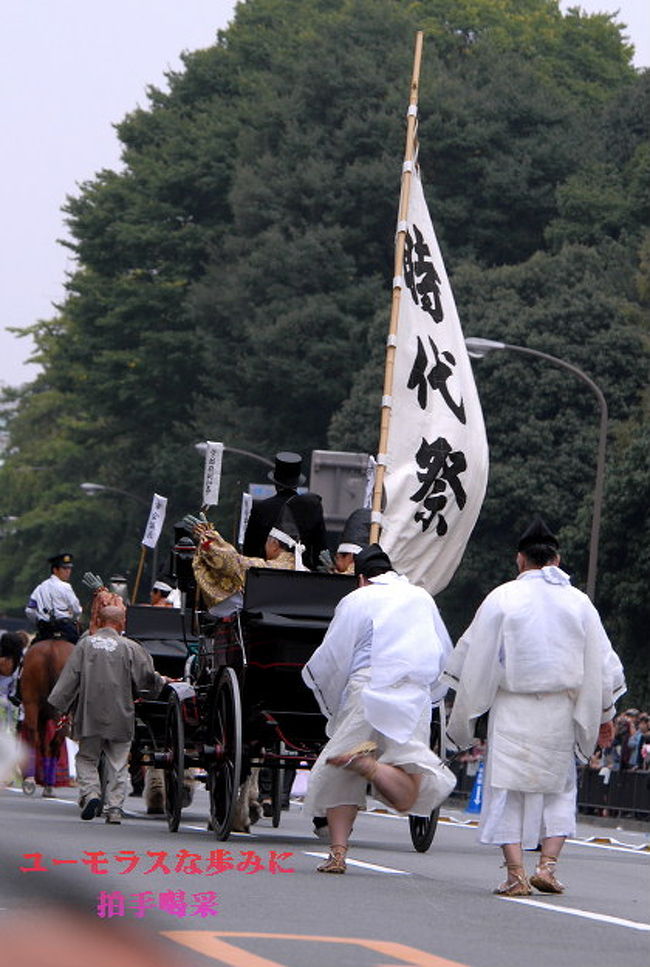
x: 159, y: 630
x: 305, y: 599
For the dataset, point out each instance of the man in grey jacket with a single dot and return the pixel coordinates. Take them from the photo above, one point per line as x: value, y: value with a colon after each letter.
x: 101, y: 676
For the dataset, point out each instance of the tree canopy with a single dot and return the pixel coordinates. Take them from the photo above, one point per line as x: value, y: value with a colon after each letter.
x: 232, y: 279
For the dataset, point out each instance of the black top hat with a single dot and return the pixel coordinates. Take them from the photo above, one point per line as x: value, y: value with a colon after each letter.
x: 286, y: 472
x: 371, y: 561
x: 356, y: 532
x: 537, y: 533
x: 61, y: 560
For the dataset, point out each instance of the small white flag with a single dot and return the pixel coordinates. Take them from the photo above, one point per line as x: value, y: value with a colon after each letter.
x: 246, y: 507
x: 371, y: 473
x: 437, y: 454
x: 156, y: 521
x: 212, y: 473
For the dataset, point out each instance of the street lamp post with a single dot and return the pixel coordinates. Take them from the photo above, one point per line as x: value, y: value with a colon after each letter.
x: 94, y: 489
x: 201, y: 447
x: 478, y: 348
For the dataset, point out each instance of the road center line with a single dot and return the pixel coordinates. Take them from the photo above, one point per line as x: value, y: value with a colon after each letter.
x: 365, y: 866
x: 585, y: 914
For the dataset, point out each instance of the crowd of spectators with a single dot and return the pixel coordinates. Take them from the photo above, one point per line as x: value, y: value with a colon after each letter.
x: 630, y: 750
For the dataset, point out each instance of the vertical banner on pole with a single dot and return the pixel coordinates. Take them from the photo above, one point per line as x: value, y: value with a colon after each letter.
x: 150, y: 538
x: 246, y: 507
x: 212, y: 473
x: 155, y: 522
x: 437, y: 453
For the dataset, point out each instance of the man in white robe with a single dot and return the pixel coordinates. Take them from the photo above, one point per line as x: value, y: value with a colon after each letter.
x: 373, y: 677
x: 537, y: 657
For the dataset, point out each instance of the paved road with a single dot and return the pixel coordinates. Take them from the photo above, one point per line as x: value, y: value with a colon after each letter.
x: 393, y: 907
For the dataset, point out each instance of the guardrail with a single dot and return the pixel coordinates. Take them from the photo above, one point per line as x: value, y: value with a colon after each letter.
x: 625, y: 792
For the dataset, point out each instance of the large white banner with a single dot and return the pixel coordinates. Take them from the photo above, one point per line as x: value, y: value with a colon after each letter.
x: 437, y: 459
x: 156, y: 521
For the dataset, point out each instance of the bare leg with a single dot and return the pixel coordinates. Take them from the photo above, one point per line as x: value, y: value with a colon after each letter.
x: 552, y: 846
x: 544, y: 878
x: 399, y: 788
x: 516, y: 883
x: 339, y: 821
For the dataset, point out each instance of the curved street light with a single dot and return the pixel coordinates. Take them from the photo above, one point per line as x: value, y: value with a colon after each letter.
x: 94, y: 489
x: 201, y: 447
x: 478, y: 348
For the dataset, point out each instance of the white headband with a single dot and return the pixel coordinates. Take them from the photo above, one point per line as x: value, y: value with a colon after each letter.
x: 348, y: 548
x: 292, y: 544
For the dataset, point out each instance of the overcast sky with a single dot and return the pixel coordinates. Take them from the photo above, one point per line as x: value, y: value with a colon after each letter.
x: 69, y: 70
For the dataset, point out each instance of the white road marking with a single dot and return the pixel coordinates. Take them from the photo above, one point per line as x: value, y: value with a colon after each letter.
x: 585, y: 914
x: 614, y: 845
x: 204, y: 829
x: 365, y: 866
x: 469, y: 824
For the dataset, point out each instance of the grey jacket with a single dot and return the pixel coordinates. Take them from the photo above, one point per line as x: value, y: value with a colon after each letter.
x: 103, y: 674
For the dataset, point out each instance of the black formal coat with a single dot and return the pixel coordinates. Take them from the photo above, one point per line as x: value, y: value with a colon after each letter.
x: 307, y: 510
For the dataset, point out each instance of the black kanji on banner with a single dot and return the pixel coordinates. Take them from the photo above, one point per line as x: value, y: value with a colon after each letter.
x: 420, y: 275
x: 440, y: 468
x: 436, y: 377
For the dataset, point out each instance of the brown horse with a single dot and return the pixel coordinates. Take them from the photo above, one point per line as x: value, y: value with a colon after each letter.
x: 42, y: 665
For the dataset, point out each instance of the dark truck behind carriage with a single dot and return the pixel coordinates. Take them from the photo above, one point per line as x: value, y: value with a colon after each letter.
x: 243, y: 704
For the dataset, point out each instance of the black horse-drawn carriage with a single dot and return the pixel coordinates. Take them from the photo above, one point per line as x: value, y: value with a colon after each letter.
x: 242, y: 703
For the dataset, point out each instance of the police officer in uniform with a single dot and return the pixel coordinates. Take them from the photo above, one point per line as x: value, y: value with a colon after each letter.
x: 53, y: 606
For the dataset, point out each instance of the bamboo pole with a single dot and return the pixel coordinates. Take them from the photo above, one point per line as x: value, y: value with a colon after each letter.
x: 409, y: 156
x: 138, y: 576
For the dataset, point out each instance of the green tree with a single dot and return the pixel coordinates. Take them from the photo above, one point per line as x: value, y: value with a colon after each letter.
x: 230, y: 280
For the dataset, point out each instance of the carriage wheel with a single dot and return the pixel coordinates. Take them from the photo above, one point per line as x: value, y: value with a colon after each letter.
x: 175, y: 769
x: 277, y: 789
x: 225, y: 733
x: 423, y: 828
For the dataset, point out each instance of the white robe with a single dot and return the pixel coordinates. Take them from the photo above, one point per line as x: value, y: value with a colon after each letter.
x: 375, y: 676
x: 537, y: 656
x: 409, y: 647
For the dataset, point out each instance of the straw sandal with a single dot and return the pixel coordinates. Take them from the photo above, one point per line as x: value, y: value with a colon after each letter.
x: 518, y: 885
x: 543, y: 879
x: 349, y: 760
x: 335, y: 862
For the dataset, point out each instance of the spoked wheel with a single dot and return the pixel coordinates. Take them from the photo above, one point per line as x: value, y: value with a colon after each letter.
x: 224, y: 768
x: 277, y: 789
x: 423, y: 829
x: 175, y: 769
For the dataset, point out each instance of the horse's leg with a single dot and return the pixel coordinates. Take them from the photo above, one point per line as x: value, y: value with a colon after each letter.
x: 28, y: 733
x: 51, y: 738
x: 50, y: 751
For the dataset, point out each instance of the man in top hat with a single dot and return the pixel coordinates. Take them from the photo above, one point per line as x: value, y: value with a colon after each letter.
x: 159, y: 596
x: 374, y: 677
x: 220, y: 570
x: 355, y: 536
x: 53, y: 606
x: 307, y: 510
x: 537, y: 657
